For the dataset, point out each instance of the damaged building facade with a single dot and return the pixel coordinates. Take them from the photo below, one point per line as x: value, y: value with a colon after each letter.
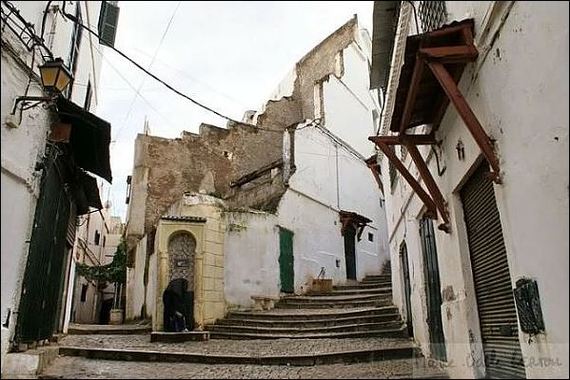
x: 473, y: 151
x: 264, y: 206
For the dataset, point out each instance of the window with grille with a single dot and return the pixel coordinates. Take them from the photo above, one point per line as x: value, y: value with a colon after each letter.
x: 432, y: 14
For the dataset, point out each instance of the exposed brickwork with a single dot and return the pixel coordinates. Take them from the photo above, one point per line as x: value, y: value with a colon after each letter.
x: 319, y: 63
x: 216, y: 156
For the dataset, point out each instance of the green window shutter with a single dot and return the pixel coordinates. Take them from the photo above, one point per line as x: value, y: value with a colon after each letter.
x: 108, y: 19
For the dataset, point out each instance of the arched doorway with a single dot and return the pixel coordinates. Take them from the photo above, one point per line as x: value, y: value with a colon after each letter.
x: 178, y: 298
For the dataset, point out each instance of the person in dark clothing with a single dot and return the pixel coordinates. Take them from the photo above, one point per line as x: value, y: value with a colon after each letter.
x: 175, y: 299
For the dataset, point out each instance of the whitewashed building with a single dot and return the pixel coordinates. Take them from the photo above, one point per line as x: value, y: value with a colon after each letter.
x: 473, y: 151
x: 38, y: 139
x: 272, y: 203
x: 97, y: 238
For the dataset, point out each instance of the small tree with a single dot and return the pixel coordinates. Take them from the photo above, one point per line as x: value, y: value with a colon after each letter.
x: 114, y: 272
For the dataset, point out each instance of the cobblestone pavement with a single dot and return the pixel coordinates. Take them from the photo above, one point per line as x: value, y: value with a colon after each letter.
x: 125, y: 327
x: 81, y: 368
x: 276, y: 347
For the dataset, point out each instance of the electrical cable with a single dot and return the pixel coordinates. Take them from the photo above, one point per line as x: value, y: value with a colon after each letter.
x: 133, y: 87
x: 46, y: 11
x: 74, y: 19
x: 137, y: 93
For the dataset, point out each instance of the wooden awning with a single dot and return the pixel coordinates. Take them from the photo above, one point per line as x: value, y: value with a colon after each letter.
x: 372, y: 163
x: 349, y: 219
x: 433, y: 65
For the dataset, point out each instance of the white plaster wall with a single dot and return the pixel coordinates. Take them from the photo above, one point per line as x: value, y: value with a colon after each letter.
x: 328, y: 179
x: 317, y: 241
x: 251, y: 257
x: 520, y: 98
x: 152, y: 284
x: 17, y: 208
x: 286, y: 86
x: 23, y: 146
x: 315, y: 159
x: 86, y: 311
x: 348, y: 103
x: 139, y: 183
x: 135, y: 282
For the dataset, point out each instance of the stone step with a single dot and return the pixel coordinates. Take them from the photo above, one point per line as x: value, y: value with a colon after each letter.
x: 361, y: 285
x: 376, y: 281
x: 311, y: 315
x: 82, y: 329
x: 298, y: 330
x: 338, y: 292
x: 291, y: 304
x: 330, y: 321
x: 335, y: 298
x: 384, y: 333
x: 27, y: 364
x: 405, y: 350
x: 378, y: 277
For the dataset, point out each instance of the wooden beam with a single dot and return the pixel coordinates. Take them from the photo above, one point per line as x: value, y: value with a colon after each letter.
x: 404, y: 139
x: 448, y: 30
x: 448, y: 54
x: 468, y: 36
x: 430, y: 182
x: 430, y: 204
x: 373, y: 166
x: 412, y: 93
x: 463, y: 109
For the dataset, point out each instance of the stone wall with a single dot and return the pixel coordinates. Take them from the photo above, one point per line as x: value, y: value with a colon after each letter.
x: 166, y: 168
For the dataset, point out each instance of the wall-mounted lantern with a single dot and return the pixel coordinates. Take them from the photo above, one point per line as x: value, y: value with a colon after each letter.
x: 55, y: 79
x: 55, y: 76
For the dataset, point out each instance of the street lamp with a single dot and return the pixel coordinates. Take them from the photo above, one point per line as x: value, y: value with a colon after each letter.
x: 55, y: 79
x: 55, y: 76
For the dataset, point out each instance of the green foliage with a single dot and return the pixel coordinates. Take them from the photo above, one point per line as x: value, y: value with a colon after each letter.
x: 115, y: 272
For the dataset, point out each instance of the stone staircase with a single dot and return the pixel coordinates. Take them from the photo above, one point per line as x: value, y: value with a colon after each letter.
x: 352, y: 332
x: 355, y: 310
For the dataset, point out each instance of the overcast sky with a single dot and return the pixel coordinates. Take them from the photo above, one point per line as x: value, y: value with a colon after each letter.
x: 227, y: 55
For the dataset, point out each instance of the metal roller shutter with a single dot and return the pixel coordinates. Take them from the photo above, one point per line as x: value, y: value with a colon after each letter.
x: 493, y: 288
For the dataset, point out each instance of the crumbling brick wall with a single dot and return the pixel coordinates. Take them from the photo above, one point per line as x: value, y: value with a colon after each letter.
x: 216, y: 156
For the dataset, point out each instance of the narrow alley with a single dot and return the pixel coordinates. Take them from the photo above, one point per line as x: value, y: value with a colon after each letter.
x: 351, y: 189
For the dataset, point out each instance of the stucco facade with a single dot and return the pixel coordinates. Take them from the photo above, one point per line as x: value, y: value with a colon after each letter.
x: 250, y: 182
x: 24, y: 145
x: 517, y: 83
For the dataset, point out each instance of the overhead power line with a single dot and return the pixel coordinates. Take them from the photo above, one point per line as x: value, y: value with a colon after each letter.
x: 167, y: 85
x: 137, y: 93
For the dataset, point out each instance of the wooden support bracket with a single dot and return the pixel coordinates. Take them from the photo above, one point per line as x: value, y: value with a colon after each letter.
x: 428, y: 201
x: 449, y: 54
x: 452, y: 91
x: 404, y: 139
x: 429, y: 181
x: 373, y: 166
x: 412, y: 93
